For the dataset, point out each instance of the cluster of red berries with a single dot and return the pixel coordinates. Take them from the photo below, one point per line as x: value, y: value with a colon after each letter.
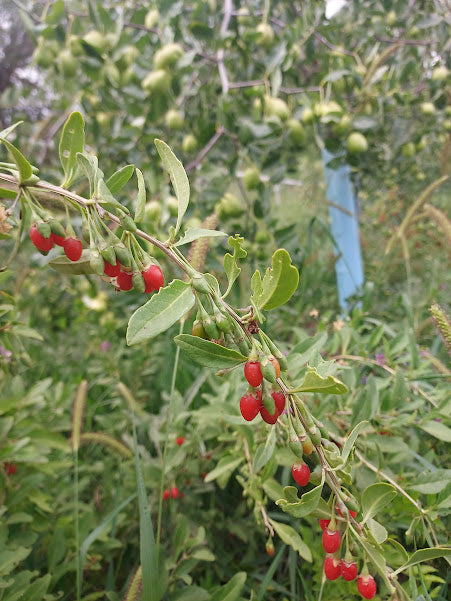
x: 172, y: 493
x: 251, y: 404
x: 152, y: 275
x: 71, y: 246
x: 334, y: 567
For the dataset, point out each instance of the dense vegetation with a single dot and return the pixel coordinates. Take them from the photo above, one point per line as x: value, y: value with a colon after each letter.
x: 129, y: 469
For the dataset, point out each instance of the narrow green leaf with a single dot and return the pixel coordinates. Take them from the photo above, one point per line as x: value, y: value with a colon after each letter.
x: 118, y: 180
x: 264, y: 453
x: 5, y: 132
x: 197, y: 232
x: 424, y: 555
x: 437, y: 429
x: 191, y: 593
x: 300, y: 507
x: 148, y: 550
x: 105, y: 197
x: 377, y: 558
x: 377, y: 530
x: 347, y: 447
x: 304, y: 350
x: 63, y: 265
x: 313, y: 382
x: 141, y: 198
x: 178, y: 177
x: 232, y: 590
x: 8, y: 193
x: 279, y: 283
x: 72, y: 141
x: 292, y: 538
x: 432, y: 482
x: 207, y: 353
x: 160, y: 312
x: 37, y: 589
x: 226, y: 464
x: 90, y: 165
x: 24, y: 167
x: 231, y: 261
x: 375, y: 497
x: 270, y: 573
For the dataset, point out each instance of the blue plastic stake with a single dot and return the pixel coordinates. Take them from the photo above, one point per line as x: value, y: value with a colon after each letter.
x: 345, y: 230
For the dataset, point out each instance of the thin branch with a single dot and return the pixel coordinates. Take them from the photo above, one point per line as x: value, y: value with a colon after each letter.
x: 251, y: 471
x: 406, y: 42
x: 228, y: 7
x: 326, y: 42
x: 247, y: 84
x: 206, y: 149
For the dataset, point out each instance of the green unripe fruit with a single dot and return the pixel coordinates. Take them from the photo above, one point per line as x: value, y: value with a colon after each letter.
x: 152, y: 17
x: 230, y: 206
x: 296, y: 447
x: 308, y: 115
x: 269, y: 404
x: 128, y: 224
x: 103, y: 119
x: 439, y: 73
x: 427, y: 108
x: 447, y: 124
x: 212, y: 329
x: 223, y: 323
x: 265, y: 34
x: 326, y: 108
x: 174, y: 120
x: 157, y: 82
x: 342, y: 126
x: 277, y: 107
x: 153, y: 211
x: 128, y: 56
x: 297, y: 133
x: 97, y: 263
x: 97, y: 40
x: 138, y: 282
x: 57, y: 228
x: 243, y: 16
x: 43, y: 55
x: 448, y: 110
x: 173, y: 206
x: 408, y: 149
x: 391, y: 18
x: 315, y: 435
x: 167, y: 56
x: 199, y: 283
x: 123, y: 256
x: 262, y: 236
x: 189, y: 143
x: 421, y: 144
x: 356, y: 143
x: 75, y: 46
x: 268, y: 371
x: 251, y: 178
x: 126, y: 76
x: 112, y: 73
x: 44, y: 229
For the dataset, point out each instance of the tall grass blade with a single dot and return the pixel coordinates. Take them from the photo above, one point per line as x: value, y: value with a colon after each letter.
x: 78, y: 410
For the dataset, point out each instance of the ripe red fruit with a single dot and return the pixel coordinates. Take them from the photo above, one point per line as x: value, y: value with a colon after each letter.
x: 276, y: 365
x: 332, y: 567
x: 267, y: 416
x: 174, y: 492
x: 10, y: 468
x: 153, y: 278
x: 270, y: 548
x: 253, y: 373
x: 112, y: 270
x: 279, y: 399
x: 249, y: 407
x: 352, y: 513
x: 166, y: 494
x: 179, y: 440
x: 124, y: 280
x: 367, y: 586
x: 324, y: 524
x: 301, y: 474
x: 59, y: 240
x: 72, y: 248
x: 348, y: 570
x: 331, y: 540
x: 44, y: 244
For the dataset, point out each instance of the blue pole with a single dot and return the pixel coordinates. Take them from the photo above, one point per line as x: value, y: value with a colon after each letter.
x: 345, y: 230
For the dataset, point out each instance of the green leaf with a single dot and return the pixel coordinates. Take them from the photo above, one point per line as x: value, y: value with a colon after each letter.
x: 437, y: 429
x: 394, y: 552
x: 178, y: 177
x: 197, y: 232
x: 5, y: 132
x: 10, y: 559
x: 347, y: 447
x: 118, y: 180
x: 191, y: 593
x: 160, y: 312
x: 232, y: 590
x: 8, y: 193
x: 375, y: 497
x: 264, y: 453
x: 424, y: 555
x: 292, y: 538
x: 313, y: 382
x: 278, y: 285
x: 299, y: 508
x: 431, y: 483
x: 231, y: 261
x: 37, y: 589
x: 90, y: 165
x: 24, y: 167
x: 375, y: 555
x: 225, y: 465
x: 303, y: 351
x: 141, y: 198
x: 72, y: 141
x: 207, y: 353
x: 377, y: 530
x: 63, y: 265
x: 105, y: 197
